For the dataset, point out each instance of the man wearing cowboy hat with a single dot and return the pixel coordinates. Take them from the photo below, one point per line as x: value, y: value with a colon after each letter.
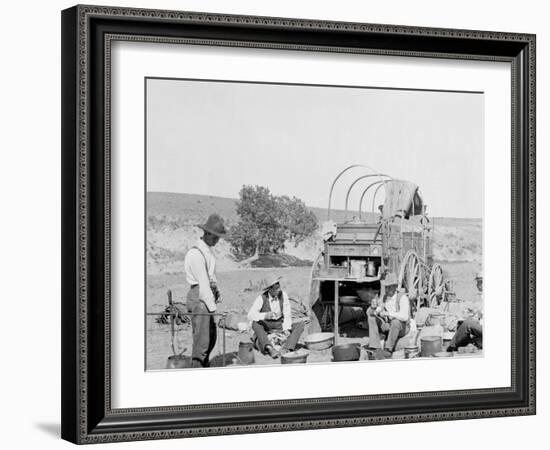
x: 271, y: 313
x: 390, y: 318
x: 200, y: 267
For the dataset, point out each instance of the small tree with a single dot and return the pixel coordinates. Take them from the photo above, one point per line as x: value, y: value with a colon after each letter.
x: 267, y: 221
x: 298, y: 221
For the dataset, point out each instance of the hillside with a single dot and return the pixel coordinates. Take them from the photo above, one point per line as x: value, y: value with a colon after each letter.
x: 172, y: 220
x: 191, y: 206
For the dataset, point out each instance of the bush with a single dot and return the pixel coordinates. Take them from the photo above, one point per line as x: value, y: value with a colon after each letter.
x: 266, y: 222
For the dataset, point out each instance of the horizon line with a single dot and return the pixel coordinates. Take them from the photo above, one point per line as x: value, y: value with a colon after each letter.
x: 308, y: 205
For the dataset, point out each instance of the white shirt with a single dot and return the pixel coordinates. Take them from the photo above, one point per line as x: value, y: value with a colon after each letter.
x: 404, y: 307
x: 254, y: 315
x: 196, y: 272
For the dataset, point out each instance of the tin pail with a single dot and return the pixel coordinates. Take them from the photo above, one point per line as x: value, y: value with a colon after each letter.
x: 246, y: 353
x: 436, y: 319
x: 411, y: 352
x: 429, y: 345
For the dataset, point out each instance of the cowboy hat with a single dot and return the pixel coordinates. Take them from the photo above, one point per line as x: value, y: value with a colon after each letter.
x: 214, y: 225
x: 390, y: 280
x: 269, y: 282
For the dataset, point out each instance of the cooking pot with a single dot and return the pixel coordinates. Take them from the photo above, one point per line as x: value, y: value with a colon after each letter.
x: 436, y: 319
x: 412, y: 351
x: 319, y: 341
x: 297, y: 357
x: 430, y: 345
x: 346, y: 352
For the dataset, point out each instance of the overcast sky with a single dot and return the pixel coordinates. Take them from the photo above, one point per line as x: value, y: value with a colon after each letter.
x: 213, y: 137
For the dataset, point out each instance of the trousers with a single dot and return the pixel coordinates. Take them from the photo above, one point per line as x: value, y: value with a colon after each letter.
x: 393, y: 330
x: 204, y: 329
x: 263, y: 327
x: 469, y: 331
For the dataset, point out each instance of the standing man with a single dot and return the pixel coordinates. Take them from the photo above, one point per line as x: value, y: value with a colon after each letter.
x: 200, y: 267
x: 390, y: 318
x: 479, y: 285
x: 271, y: 313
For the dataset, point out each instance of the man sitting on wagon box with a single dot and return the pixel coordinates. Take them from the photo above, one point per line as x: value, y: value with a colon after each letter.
x: 390, y: 318
x: 271, y: 313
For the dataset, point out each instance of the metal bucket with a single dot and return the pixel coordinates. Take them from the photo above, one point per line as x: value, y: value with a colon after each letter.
x: 412, y: 352
x: 297, y: 357
x: 319, y: 341
x: 436, y: 319
x: 429, y: 345
x: 246, y: 353
x: 346, y: 352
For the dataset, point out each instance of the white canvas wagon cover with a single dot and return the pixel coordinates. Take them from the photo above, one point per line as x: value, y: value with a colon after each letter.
x: 402, y: 199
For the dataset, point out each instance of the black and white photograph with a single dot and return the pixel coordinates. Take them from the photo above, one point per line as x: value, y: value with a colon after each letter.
x: 276, y: 224
x: 311, y: 224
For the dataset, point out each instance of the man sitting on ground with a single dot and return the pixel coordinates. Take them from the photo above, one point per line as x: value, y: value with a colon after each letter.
x: 271, y: 313
x: 471, y: 330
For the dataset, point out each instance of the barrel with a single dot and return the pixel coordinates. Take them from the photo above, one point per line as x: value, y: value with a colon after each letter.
x: 429, y: 345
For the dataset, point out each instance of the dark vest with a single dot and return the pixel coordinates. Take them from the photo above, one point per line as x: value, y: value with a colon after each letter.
x: 265, y: 304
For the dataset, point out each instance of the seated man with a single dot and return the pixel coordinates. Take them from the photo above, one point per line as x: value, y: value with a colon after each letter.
x: 390, y: 318
x: 271, y: 313
x: 470, y: 331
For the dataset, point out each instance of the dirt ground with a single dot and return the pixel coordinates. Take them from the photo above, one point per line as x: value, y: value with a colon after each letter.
x: 239, y: 289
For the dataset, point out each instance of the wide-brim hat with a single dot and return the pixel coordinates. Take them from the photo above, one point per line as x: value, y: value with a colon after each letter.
x: 270, y: 282
x: 479, y: 276
x: 214, y: 225
x: 390, y: 280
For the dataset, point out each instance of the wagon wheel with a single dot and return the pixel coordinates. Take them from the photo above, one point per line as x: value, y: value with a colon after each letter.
x: 436, y: 286
x: 411, y: 277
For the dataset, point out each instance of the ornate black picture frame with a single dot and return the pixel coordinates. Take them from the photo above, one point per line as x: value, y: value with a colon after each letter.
x: 87, y: 34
